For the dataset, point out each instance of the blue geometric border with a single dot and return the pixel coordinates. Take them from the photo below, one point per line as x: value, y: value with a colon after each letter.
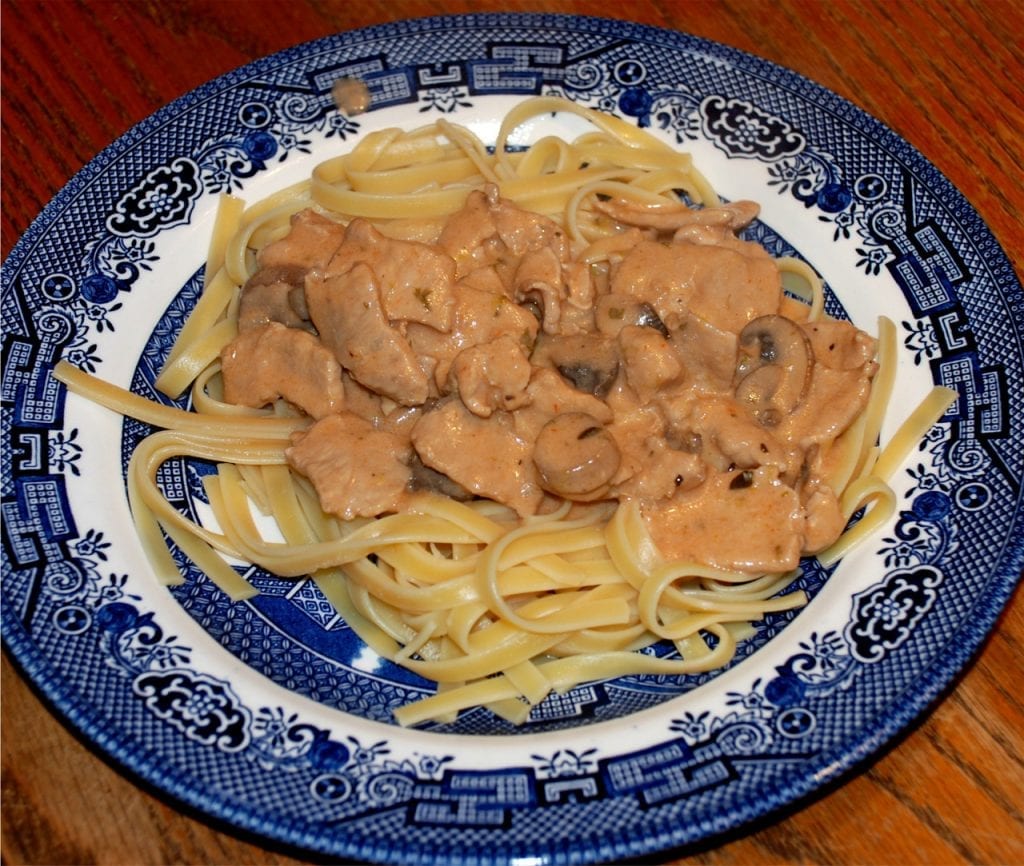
x: 909, y: 223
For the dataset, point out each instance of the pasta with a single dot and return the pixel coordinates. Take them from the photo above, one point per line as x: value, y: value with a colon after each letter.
x: 592, y: 535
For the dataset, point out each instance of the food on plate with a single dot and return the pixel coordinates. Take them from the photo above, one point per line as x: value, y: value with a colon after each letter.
x: 520, y: 412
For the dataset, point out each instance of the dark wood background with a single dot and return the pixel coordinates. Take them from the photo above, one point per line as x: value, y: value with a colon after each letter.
x: 945, y: 75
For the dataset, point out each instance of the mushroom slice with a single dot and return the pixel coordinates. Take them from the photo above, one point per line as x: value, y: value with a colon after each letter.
x: 773, y: 368
x: 425, y: 478
x: 669, y: 217
x: 576, y: 457
x: 615, y: 311
x: 589, y: 361
x: 274, y: 294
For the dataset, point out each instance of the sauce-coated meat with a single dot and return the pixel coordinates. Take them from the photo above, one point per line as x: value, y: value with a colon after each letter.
x: 481, y: 357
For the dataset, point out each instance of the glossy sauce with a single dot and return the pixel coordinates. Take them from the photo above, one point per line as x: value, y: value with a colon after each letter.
x: 479, y: 358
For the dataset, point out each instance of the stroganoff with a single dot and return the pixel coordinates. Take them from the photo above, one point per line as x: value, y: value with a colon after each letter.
x: 518, y: 414
x: 477, y: 356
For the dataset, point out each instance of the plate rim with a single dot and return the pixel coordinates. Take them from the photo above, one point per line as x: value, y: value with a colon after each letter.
x: 918, y: 700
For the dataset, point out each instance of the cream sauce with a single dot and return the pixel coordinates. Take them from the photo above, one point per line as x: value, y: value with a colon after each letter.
x: 479, y: 353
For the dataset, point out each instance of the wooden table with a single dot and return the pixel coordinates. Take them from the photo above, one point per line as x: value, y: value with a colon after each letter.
x: 944, y: 75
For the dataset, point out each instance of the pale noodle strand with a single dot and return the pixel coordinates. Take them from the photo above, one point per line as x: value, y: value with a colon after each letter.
x: 802, y: 280
x: 912, y: 430
x: 496, y: 611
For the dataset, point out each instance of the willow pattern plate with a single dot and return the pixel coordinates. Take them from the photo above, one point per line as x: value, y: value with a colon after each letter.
x: 270, y: 714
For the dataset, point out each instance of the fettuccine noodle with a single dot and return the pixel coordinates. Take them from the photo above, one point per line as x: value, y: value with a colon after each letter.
x: 498, y: 603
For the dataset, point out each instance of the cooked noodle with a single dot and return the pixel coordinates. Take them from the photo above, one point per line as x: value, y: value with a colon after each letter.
x: 497, y: 607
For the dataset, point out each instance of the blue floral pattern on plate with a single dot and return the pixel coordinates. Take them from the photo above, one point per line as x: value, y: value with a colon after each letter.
x: 271, y: 714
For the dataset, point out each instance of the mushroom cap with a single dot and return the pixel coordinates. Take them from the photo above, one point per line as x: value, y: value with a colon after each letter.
x: 576, y: 457
x: 614, y: 311
x: 773, y: 368
x: 589, y: 361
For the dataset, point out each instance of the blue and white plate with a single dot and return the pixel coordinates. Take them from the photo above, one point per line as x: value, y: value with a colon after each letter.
x: 270, y: 715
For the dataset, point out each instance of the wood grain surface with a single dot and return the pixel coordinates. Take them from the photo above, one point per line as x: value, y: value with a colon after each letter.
x: 946, y: 76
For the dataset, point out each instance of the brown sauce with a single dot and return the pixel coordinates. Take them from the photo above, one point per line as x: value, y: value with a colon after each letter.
x: 484, y: 358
